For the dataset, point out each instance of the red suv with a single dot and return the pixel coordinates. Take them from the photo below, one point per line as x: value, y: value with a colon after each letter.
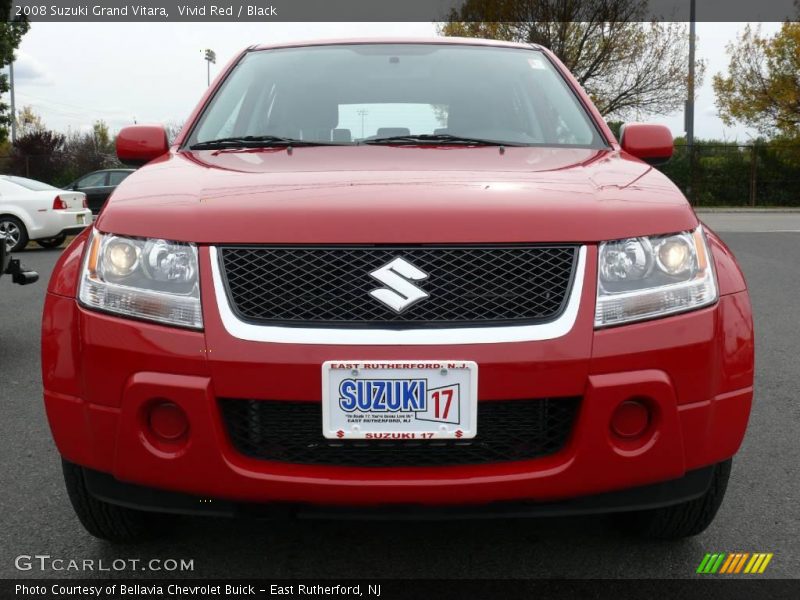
x: 378, y: 278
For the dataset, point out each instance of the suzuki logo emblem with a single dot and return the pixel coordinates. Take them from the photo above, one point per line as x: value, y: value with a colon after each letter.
x: 399, y: 292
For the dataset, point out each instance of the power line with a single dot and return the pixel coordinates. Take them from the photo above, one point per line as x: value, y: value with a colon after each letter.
x: 82, y: 109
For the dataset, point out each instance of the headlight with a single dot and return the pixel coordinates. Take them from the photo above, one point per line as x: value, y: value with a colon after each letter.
x: 650, y: 277
x: 154, y: 280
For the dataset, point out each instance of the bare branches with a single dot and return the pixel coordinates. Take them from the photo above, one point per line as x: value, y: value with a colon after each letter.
x: 625, y: 65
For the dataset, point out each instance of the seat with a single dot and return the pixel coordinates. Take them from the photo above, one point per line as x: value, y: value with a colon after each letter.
x: 309, y: 112
x: 392, y: 131
x: 341, y: 135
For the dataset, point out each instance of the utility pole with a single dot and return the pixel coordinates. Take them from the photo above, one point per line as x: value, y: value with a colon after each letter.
x: 363, y: 112
x: 13, y: 107
x: 210, y: 57
x: 690, y: 99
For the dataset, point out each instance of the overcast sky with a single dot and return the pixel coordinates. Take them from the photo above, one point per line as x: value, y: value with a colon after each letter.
x: 73, y: 74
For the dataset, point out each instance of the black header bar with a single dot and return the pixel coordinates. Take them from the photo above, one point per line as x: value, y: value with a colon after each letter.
x: 367, y: 10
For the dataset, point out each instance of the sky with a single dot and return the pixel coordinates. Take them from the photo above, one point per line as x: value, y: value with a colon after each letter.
x: 72, y: 74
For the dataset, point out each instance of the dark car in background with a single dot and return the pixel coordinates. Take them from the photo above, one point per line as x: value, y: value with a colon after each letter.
x: 98, y: 186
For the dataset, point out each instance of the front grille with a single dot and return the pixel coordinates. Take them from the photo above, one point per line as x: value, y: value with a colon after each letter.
x: 489, y: 285
x: 291, y: 432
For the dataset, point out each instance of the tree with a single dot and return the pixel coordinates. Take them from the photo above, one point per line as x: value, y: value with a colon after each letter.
x: 28, y: 120
x: 102, y: 137
x: 762, y: 87
x: 173, y: 128
x: 625, y: 65
x: 10, y: 36
x: 38, y: 154
x: 59, y: 158
x: 87, y: 151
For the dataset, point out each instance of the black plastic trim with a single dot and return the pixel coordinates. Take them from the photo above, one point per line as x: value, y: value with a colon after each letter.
x: 692, y: 485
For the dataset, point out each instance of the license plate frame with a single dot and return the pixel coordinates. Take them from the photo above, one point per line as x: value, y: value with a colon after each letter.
x: 397, y: 411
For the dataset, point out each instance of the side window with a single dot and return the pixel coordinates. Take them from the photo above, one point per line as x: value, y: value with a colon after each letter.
x: 227, y: 129
x: 93, y: 180
x: 117, y: 177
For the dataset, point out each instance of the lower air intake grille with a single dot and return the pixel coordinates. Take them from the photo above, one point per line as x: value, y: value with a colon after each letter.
x: 291, y: 432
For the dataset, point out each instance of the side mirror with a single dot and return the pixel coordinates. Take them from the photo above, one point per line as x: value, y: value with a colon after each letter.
x: 139, y: 144
x: 651, y: 143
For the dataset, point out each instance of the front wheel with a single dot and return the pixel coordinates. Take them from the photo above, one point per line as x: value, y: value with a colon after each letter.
x: 102, y: 519
x: 53, y: 242
x: 15, y: 233
x: 680, y: 520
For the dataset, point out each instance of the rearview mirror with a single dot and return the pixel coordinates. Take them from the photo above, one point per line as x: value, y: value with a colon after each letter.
x: 651, y: 143
x: 139, y: 144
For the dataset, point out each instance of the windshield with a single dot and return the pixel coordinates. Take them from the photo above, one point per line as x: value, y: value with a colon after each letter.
x: 354, y: 93
x: 31, y: 184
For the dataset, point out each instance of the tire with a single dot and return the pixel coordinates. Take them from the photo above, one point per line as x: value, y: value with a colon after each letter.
x: 53, y: 242
x: 680, y: 520
x: 16, y: 234
x: 103, y: 520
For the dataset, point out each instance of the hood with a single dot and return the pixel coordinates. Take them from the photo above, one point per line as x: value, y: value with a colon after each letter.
x: 396, y: 194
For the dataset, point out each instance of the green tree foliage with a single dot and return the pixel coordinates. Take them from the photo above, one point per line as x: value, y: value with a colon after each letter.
x: 625, y: 65
x: 725, y: 174
x: 10, y: 36
x: 762, y: 87
x: 616, y: 128
x: 101, y: 135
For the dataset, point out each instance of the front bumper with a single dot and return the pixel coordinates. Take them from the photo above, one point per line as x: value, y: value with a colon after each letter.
x: 694, y: 371
x: 689, y: 487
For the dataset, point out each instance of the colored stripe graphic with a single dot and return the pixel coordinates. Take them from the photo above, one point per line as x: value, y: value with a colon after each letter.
x: 764, y: 564
x: 732, y: 560
x: 759, y: 563
x: 704, y: 563
x: 718, y: 563
x: 741, y: 562
x: 711, y: 563
x: 722, y: 563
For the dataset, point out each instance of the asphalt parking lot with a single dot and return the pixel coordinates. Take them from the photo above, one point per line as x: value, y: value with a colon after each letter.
x: 760, y: 513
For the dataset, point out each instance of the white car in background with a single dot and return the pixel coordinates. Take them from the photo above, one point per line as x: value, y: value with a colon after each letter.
x: 32, y: 210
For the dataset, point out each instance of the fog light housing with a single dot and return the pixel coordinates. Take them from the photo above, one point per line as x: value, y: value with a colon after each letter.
x: 167, y: 421
x: 631, y: 419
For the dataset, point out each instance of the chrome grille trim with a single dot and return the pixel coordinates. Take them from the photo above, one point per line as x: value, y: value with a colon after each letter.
x: 397, y: 337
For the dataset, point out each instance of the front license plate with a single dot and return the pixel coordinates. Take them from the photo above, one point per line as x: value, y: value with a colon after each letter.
x: 408, y: 400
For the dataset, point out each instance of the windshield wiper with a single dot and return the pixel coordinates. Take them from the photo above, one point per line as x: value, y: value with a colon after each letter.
x: 437, y: 138
x: 255, y: 141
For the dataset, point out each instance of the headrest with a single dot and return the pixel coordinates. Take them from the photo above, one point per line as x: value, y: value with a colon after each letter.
x: 341, y: 135
x: 393, y: 131
x: 311, y: 111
